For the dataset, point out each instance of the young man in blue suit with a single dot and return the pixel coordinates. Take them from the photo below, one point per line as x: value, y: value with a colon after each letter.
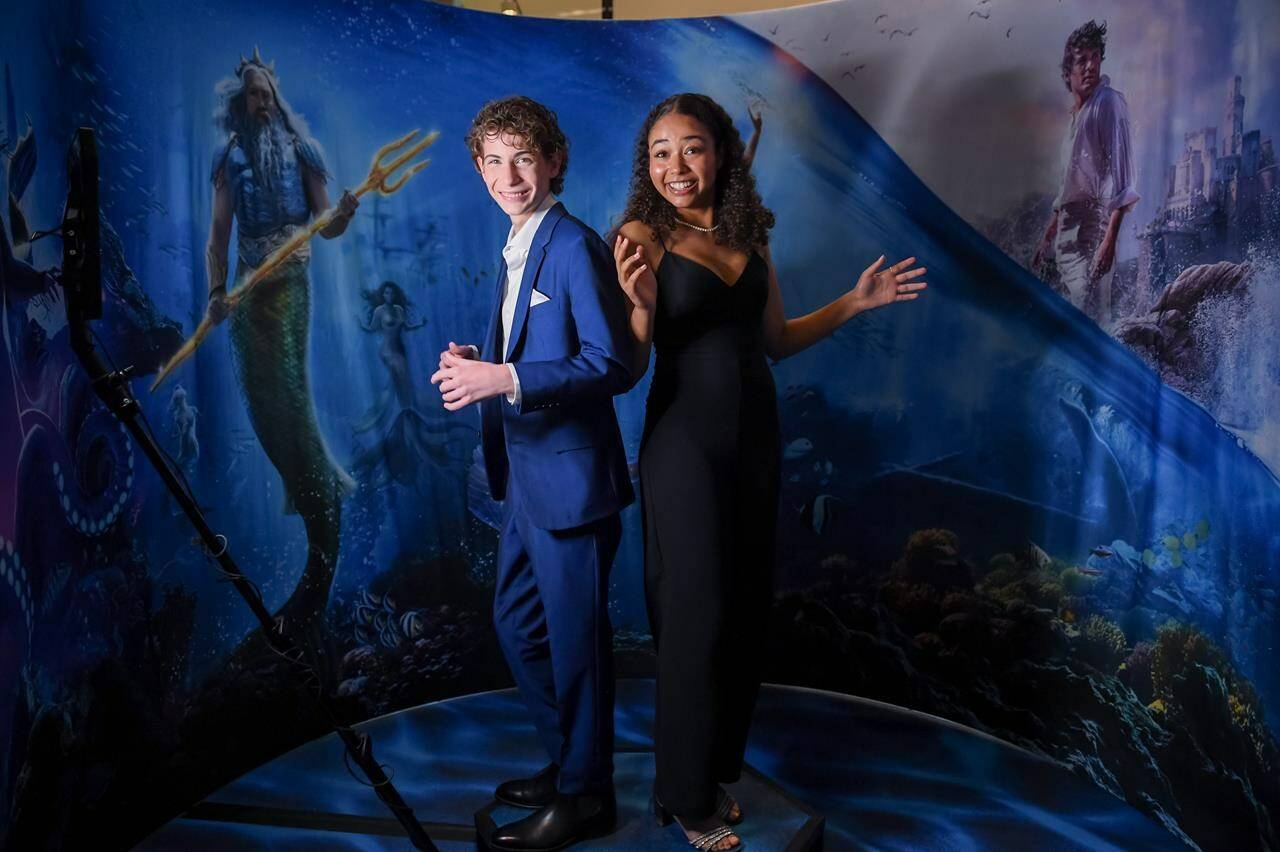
x: 556, y: 352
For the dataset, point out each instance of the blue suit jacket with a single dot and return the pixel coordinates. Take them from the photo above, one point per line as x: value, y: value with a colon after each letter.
x: 561, y: 445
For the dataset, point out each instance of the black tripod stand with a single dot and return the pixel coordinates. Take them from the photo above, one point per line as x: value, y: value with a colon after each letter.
x: 80, y: 279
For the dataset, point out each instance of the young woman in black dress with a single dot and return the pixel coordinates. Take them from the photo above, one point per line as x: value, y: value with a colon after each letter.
x: 693, y: 257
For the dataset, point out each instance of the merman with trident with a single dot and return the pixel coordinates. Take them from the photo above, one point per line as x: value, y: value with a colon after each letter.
x: 270, y: 178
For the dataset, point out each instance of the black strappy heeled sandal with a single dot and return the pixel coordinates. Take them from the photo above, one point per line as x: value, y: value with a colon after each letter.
x: 725, y: 802
x: 707, y: 840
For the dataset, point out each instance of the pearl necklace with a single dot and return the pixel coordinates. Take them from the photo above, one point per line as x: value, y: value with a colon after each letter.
x: 697, y: 227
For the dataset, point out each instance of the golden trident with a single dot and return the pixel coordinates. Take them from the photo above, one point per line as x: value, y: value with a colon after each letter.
x: 379, y: 175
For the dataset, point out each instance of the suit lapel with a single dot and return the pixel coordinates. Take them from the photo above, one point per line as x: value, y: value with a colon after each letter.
x: 490, y: 343
x: 537, y: 253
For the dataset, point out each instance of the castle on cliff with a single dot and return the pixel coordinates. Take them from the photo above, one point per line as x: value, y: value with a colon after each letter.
x: 1217, y: 202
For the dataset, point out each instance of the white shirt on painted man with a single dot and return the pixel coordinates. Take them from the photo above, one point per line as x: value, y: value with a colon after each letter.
x: 1096, y: 153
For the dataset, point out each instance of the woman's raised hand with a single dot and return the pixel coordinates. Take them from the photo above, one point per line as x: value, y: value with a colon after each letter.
x: 896, y: 283
x: 635, y: 276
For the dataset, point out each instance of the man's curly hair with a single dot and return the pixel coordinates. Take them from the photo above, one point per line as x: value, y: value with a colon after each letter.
x: 524, y: 119
x: 1085, y: 37
x: 743, y: 220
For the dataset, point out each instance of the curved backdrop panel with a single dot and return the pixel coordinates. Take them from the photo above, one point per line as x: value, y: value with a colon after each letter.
x: 1043, y: 509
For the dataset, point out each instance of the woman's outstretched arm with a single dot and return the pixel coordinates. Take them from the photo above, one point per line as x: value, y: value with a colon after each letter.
x: 875, y: 287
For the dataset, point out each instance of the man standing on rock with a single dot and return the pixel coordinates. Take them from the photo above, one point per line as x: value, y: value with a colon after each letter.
x: 1098, y: 182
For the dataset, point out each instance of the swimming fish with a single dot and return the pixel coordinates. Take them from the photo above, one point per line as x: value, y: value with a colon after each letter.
x: 797, y: 449
x: 412, y: 624
x: 820, y: 512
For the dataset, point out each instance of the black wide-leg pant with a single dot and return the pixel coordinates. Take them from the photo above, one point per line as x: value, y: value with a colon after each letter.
x: 709, y: 494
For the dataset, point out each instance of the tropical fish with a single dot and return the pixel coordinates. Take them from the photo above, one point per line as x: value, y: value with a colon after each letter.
x: 413, y: 624
x: 1103, y: 552
x: 797, y: 449
x: 1092, y: 572
x: 1035, y: 554
x: 820, y: 512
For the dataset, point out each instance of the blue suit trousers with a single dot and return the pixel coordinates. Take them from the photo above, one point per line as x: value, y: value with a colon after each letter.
x: 551, y: 613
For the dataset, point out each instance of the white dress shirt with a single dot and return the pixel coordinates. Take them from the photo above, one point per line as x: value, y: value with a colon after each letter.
x: 516, y: 253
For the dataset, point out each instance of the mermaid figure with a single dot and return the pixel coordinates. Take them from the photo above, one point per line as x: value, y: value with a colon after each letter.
x: 269, y: 176
x: 387, y: 313
x: 182, y: 425
x: 406, y: 442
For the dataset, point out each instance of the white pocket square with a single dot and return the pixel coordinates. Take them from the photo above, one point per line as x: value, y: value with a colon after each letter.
x: 536, y: 298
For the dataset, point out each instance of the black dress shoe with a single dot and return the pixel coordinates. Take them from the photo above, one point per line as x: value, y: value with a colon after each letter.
x: 536, y: 792
x: 567, y: 820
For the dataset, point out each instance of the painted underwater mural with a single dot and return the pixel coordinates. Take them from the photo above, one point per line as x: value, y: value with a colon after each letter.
x: 1006, y: 508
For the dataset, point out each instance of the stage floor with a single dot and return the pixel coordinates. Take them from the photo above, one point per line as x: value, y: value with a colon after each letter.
x: 882, y: 777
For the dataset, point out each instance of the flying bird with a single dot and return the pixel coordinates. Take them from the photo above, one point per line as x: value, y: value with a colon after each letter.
x: 878, y: 17
x: 1006, y: 32
x: 980, y: 15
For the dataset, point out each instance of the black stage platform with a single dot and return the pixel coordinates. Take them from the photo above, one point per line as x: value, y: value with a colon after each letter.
x: 854, y: 774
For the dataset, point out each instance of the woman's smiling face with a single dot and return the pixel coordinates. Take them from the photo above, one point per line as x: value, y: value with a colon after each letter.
x: 682, y: 161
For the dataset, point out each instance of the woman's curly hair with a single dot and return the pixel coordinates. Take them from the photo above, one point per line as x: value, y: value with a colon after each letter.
x: 526, y: 119
x: 743, y: 220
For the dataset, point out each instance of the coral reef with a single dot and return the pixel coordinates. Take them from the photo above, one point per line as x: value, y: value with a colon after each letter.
x: 1034, y: 654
